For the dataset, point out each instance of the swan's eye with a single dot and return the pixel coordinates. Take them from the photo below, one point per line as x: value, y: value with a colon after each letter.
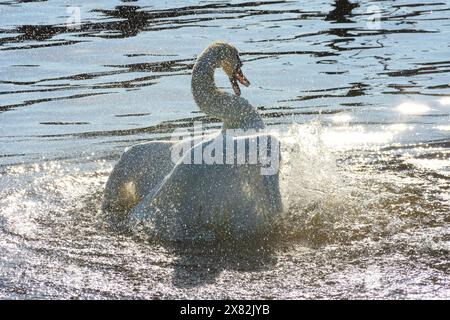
x: 239, y: 62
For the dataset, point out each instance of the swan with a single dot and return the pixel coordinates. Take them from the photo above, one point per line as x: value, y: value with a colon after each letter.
x: 189, y: 200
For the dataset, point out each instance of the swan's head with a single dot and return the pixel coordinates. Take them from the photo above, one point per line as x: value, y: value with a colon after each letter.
x: 231, y: 64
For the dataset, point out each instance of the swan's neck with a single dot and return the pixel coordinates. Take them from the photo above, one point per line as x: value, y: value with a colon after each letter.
x: 203, y: 86
x: 234, y: 111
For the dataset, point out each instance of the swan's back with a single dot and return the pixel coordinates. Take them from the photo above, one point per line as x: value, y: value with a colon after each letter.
x: 206, y: 200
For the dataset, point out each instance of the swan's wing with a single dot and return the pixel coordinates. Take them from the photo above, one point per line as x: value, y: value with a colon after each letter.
x: 138, y: 170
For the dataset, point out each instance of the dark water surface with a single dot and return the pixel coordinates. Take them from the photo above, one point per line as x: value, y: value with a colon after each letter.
x: 365, y: 102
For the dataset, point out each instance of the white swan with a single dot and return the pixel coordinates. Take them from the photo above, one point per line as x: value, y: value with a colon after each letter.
x: 187, y: 200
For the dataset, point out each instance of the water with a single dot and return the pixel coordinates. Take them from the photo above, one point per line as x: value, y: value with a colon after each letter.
x: 366, y: 168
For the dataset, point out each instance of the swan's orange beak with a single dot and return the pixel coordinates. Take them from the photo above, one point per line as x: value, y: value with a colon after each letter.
x: 239, y: 76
